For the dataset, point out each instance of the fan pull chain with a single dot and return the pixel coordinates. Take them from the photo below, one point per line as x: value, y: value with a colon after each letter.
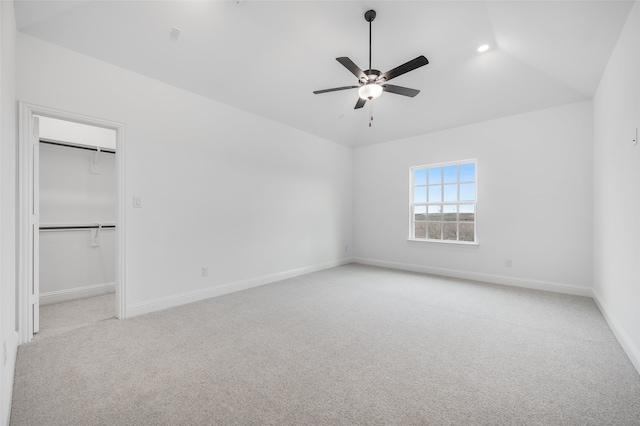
x: 370, y: 113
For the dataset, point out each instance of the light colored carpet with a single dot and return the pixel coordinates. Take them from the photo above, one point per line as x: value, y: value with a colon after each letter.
x: 353, y: 345
x: 63, y: 317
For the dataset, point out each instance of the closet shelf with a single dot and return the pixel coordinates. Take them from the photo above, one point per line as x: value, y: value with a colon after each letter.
x: 79, y: 146
x: 77, y: 226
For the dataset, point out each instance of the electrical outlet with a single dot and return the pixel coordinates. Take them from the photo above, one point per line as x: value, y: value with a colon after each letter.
x: 205, y: 271
x: 507, y: 263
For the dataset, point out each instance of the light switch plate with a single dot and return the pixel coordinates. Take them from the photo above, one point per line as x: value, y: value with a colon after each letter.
x: 137, y: 202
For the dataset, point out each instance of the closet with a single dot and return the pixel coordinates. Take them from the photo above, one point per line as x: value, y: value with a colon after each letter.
x: 77, y: 210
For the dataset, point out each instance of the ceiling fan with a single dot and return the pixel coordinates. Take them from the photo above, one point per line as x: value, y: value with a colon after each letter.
x: 371, y: 83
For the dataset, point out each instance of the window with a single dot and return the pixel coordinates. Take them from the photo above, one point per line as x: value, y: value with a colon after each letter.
x: 443, y: 202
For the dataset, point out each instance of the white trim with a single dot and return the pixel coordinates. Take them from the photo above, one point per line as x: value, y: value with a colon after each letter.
x: 58, y: 296
x: 26, y: 113
x: 121, y: 276
x: 446, y: 163
x: 631, y: 350
x: 455, y: 243
x: 219, y: 290
x: 477, y: 276
x: 25, y: 194
x: 457, y: 203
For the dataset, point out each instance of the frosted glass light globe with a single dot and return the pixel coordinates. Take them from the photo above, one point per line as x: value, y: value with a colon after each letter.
x: 370, y: 91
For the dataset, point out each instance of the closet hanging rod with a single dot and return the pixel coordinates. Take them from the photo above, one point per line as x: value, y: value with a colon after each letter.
x: 70, y: 145
x: 52, y: 227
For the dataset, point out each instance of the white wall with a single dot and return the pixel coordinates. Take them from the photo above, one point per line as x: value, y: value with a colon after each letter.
x: 534, y: 200
x: 249, y: 198
x: 8, y: 335
x: 616, y: 189
x: 70, y: 193
x: 72, y: 266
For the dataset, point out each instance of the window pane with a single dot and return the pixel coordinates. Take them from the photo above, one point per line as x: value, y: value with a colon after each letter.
x: 467, y: 192
x: 451, y: 192
x: 450, y: 174
x: 435, y: 194
x: 466, y: 232
x: 450, y: 231
x: 420, y: 177
x: 467, y: 172
x: 444, y: 202
x: 435, y: 175
x: 435, y: 230
x: 449, y: 213
x: 435, y: 213
x: 467, y: 213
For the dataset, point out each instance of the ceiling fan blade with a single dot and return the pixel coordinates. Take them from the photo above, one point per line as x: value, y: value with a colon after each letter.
x: 404, y: 68
x: 360, y: 103
x: 348, y: 64
x: 335, y: 89
x: 399, y: 90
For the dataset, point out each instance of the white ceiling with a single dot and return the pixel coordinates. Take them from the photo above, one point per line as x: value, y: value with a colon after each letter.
x: 266, y: 57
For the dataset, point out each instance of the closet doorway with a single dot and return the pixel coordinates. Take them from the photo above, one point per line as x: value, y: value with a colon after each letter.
x: 72, y: 243
x: 77, y: 209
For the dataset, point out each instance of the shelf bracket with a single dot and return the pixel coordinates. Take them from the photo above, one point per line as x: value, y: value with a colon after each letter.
x: 95, y: 236
x: 94, y: 161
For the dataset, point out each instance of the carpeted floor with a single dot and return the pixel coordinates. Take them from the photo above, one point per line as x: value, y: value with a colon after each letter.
x: 63, y: 317
x: 353, y: 345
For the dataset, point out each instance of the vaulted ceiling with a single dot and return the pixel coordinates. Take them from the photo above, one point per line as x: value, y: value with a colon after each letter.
x: 267, y: 57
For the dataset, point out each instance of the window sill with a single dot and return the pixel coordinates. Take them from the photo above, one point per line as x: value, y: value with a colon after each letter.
x: 444, y: 242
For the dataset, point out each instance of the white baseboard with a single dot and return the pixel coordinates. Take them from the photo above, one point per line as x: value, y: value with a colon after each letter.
x: 631, y: 350
x: 76, y: 293
x: 476, y: 276
x: 219, y: 290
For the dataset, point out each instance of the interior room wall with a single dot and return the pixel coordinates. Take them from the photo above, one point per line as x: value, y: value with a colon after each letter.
x: 250, y: 199
x: 8, y: 335
x: 534, y: 202
x: 616, y: 195
x: 76, y: 263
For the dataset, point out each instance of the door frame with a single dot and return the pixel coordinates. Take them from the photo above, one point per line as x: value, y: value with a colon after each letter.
x: 28, y: 190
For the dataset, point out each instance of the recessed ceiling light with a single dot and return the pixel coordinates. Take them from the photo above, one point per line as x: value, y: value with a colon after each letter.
x: 483, y: 48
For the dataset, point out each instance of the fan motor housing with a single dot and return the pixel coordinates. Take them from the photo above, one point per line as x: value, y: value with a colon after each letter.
x: 372, y: 75
x: 370, y: 15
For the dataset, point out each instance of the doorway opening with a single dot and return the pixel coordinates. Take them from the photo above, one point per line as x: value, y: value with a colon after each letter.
x: 72, y: 219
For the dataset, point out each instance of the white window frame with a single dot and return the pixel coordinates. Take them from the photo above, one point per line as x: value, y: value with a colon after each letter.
x: 412, y: 204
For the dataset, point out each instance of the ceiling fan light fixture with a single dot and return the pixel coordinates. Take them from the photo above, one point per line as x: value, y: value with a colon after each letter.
x: 371, y: 82
x: 483, y: 48
x: 370, y: 91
